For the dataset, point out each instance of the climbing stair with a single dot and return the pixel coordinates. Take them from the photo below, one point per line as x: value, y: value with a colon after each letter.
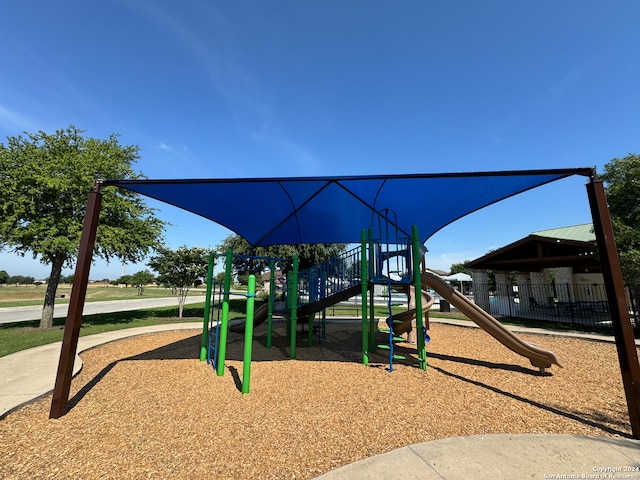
x: 393, y: 339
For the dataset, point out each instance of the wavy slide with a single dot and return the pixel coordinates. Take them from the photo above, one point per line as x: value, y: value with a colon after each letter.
x: 407, y: 317
x: 539, y: 357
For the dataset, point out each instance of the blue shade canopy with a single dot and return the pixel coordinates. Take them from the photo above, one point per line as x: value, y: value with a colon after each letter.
x: 278, y: 211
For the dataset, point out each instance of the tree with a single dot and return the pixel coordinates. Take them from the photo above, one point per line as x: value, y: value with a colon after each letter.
x: 308, y: 254
x: 622, y: 186
x: 180, y: 269
x: 4, y: 277
x: 141, y: 279
x: 460, y: 268
x: 44, y: 181
x: 125, y: 280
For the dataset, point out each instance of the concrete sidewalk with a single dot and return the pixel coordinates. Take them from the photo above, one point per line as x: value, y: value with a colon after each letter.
x: 30, y: 374
x: 501, y: 457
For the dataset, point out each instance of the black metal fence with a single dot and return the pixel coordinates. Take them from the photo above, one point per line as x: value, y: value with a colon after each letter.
x: 576, y: 305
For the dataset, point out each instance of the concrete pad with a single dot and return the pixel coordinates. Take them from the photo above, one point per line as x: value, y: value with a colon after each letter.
x: 502, y: 456
x: 400, y: 464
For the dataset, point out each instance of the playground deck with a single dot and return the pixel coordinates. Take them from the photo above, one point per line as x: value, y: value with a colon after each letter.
x: 146, y: 406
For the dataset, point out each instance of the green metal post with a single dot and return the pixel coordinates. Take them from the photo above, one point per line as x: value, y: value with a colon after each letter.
x: 272, y: 293
x: 364, y: 283
x: 224, y: 325
x: 248, y: 335
x: 417, y: 283
x: 207, y: 309
x: 289, y: 302
x: 310, y: 320
x: 372, y: 319
x: 294, y: 307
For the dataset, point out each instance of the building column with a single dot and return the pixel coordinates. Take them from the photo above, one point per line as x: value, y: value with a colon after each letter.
x: 504, y: 294
x: 564, y: 283
x: 541, y: 287
x: 524, y: 290
x: 481, y: 289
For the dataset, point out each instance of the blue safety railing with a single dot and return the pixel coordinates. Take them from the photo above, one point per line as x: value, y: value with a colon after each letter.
x: 330, y: 277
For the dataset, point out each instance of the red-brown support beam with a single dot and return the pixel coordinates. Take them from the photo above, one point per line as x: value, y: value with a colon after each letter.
x: 622, y: 330
x: 60, y: 400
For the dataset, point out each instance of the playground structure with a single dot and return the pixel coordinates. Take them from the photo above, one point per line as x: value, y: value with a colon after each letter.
x: 395, y: 263
x: 299, y: 210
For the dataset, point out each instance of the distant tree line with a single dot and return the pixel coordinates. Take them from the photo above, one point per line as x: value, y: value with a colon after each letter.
x: 6, y: 279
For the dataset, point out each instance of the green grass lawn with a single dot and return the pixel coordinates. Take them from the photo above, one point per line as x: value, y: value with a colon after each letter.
x: 22, y: 335
x: 27, y: 295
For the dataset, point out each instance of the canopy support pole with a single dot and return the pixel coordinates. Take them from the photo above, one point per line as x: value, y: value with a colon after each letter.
x: 614, y: 284
x: 60, y: 400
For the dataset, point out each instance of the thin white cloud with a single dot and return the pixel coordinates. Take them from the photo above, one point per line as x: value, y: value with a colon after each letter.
x: 181, y: 153
x: 15, y: 122
x: 249, y: 102
x: 305, y: 159
x: 576, y: 75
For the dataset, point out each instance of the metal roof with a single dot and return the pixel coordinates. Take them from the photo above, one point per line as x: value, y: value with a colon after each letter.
x: 557, y: 247
x: 579, y: 233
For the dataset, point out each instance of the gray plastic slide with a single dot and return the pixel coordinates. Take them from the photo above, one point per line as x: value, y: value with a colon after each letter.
x: 409, y: 316
x: 539, y: 357
x: 259, y: 316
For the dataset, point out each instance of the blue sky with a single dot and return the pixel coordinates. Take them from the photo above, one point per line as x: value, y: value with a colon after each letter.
x: 221, y: 89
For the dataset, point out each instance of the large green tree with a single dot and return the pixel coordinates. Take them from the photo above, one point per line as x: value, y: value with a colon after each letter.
x: 181, y: 269
x: 308, y: 254
x: 44, y: 182
x: 622, y: 184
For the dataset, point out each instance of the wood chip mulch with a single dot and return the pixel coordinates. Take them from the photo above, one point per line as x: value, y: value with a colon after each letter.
x: 146, y: 407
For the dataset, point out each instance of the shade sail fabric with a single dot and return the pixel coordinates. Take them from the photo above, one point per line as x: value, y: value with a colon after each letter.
x: 278, y: 211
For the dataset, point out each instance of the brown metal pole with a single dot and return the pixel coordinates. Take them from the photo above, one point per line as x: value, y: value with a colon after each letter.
x: 60, y: 400
x: 622, y: 330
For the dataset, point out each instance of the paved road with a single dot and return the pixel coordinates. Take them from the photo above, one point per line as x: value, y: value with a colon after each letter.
x: 24, y: 314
